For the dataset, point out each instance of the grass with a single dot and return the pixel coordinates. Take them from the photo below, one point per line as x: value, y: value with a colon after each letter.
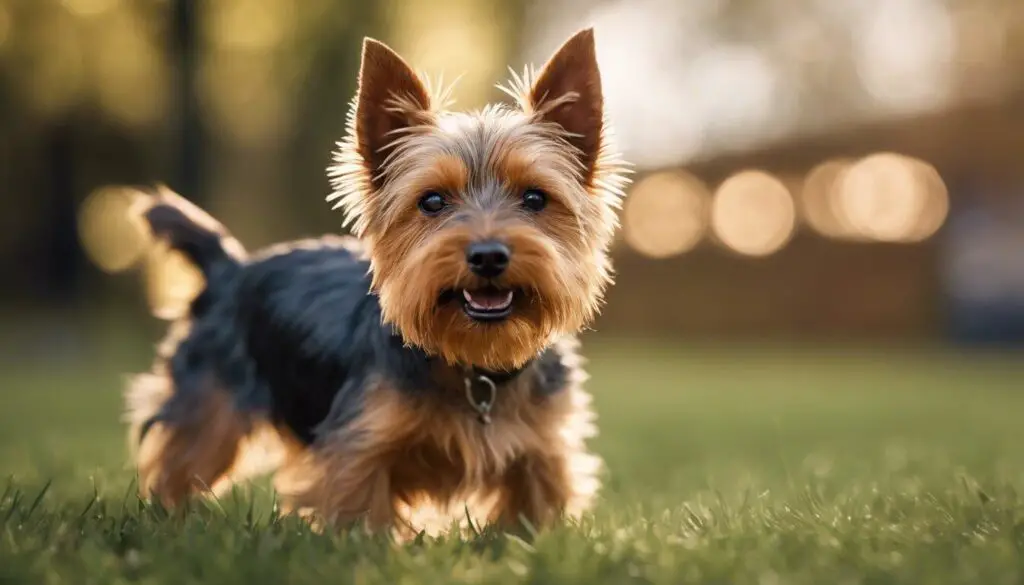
x: 728, y: 465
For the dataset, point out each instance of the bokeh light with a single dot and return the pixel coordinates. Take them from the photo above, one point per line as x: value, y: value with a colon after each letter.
x: 87, y: 8
x: 115, y: 243
x: 249, y: 25
x: 904, y: 53
x: 936, y: 205
x: 109, y: 238
x: 888, y: 197
x: 666, y: 214
x: 818, y: 202
x: 172, y: 282
x: 433, y: 37
x: 753, y: 213
x: 56, y: 81
x: 240, y: 76
x: 131, y: 73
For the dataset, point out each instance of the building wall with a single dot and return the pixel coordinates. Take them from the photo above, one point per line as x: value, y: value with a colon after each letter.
x: 816, y: 286
x: 813, y: 288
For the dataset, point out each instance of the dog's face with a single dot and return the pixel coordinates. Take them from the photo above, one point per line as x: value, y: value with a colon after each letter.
x: 487, y: 231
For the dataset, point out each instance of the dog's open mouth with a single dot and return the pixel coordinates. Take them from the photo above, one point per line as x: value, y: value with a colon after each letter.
x: 487, y: 304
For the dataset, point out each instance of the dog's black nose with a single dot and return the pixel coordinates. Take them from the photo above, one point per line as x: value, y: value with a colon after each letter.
x: 487, y: 259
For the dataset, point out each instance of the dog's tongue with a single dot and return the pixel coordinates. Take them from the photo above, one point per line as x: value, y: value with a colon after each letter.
x: 488, y: 300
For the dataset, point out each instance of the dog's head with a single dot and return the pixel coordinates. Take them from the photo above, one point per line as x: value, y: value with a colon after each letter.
x: 488, y: 231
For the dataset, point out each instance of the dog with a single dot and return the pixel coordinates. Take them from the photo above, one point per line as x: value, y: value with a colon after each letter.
x: 429, y: 358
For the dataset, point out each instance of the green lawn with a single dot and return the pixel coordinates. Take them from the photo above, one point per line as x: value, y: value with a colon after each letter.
x: 727, y: 465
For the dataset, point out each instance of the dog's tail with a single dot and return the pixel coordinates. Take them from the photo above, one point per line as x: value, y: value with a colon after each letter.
x: 177, y: 225
x: 182, y: 226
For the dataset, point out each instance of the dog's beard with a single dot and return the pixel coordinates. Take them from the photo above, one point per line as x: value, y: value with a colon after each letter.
x: 438, y: 304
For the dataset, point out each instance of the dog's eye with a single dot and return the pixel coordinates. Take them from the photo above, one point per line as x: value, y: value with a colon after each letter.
x: 534, y: 199
x: 432, y: 203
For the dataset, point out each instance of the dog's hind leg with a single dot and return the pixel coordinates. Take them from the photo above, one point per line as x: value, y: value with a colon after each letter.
x: 191, y: 435
x: 198, y: 418
x: 188, y: 443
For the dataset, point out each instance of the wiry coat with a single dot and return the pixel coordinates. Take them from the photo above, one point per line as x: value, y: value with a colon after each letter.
x: 343, y: 356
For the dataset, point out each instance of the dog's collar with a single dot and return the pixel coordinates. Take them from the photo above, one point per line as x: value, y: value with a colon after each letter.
x: 482, y: 388
x: 499, y: 377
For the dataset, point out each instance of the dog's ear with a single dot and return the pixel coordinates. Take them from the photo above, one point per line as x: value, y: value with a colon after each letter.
x: 568, y: 92
x: 391, y: 98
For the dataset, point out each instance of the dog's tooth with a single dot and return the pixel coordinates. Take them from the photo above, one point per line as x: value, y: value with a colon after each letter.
x: 472, y: 302
x: 488, y: 303
x: 504, y: 303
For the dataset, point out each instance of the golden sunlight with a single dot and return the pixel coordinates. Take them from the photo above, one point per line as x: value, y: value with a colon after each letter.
x: 454, y: 39
x: 130, y: 80
x: 889, y: 197
x: 753, y: 213
x: 110, y: 240
x: 666, y: 214
x: 88, y: 8
x: 817, y: 199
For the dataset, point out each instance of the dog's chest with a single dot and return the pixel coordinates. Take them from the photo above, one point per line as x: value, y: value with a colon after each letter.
x: 447, y: 449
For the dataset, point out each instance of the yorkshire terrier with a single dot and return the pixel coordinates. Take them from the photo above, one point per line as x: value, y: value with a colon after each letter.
x: 430, y: 358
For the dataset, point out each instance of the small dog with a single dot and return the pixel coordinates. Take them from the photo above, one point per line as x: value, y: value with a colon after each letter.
x: 428, y: 361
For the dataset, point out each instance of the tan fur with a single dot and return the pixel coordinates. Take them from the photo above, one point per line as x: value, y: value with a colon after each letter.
x: 404, y: 454
x: 174, y: 462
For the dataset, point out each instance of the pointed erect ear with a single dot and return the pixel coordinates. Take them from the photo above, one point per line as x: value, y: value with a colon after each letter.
x: 568, y: 92
x: 391, y: 98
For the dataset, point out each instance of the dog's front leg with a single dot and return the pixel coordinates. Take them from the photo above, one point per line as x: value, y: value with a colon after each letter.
x: 536, y: 488
x: 340, y: 488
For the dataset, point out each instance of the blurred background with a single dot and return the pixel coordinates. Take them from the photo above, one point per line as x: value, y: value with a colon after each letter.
x: 807, y: 170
